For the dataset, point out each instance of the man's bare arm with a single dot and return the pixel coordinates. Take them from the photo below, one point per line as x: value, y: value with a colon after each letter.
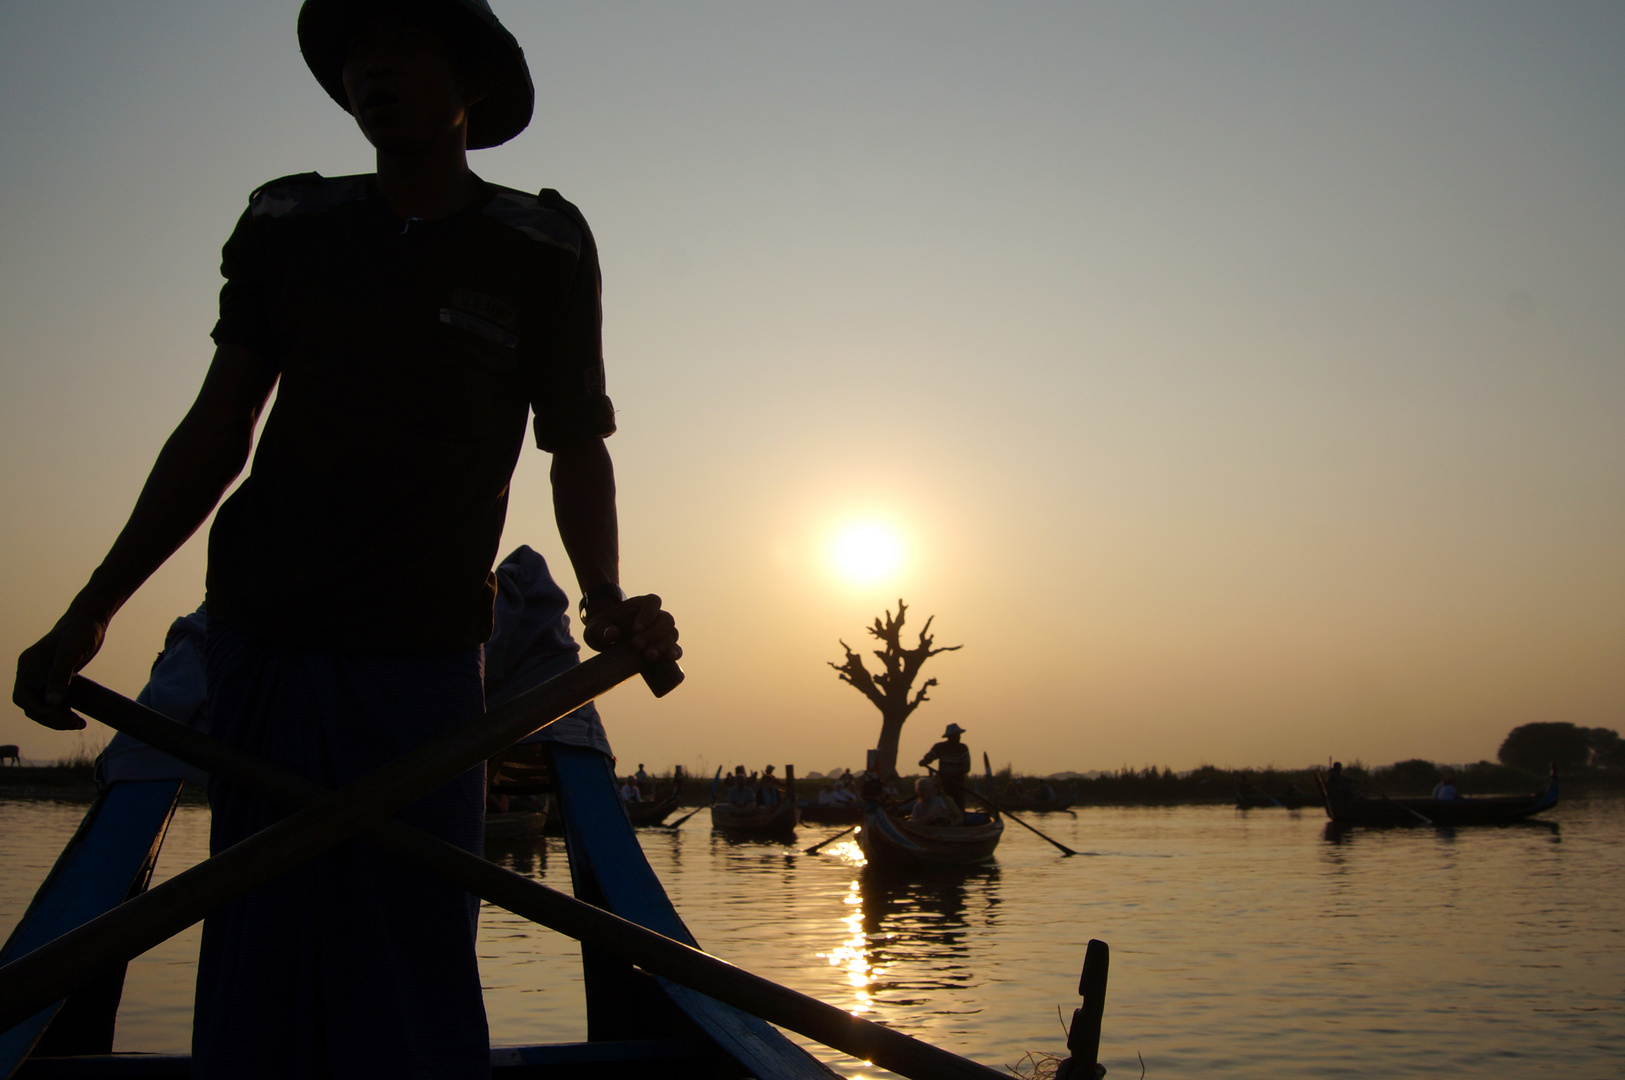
x: 202, y: 457
x: 584, y: 507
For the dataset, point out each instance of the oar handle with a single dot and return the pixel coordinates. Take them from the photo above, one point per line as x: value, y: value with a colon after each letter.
x: 662, y: 676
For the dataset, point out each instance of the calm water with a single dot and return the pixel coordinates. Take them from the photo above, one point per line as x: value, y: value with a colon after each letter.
x: 1243, y: 944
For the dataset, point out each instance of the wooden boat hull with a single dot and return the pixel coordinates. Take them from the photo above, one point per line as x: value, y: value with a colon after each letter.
x: 757, y: 820
x: 654, y: 811
x: 1355, y: 811
x: 890, y: 842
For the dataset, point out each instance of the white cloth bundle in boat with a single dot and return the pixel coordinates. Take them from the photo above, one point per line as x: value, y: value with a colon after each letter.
x: 532, y: 643
x: 175, y: 688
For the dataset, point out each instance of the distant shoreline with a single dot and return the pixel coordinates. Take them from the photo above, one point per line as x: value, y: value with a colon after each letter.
x: 1147, y: 787
x: 63, y: 783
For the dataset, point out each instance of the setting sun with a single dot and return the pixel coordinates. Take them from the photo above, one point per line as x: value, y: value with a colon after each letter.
x: 867, y: 552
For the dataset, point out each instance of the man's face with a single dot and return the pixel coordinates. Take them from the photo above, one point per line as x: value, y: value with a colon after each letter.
x: 403, y: 89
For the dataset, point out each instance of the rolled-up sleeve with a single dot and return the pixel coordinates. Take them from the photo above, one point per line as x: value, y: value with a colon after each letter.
x: 569, y: 396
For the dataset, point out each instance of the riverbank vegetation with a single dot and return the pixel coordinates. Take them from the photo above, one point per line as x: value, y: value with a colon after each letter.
x: 1589, y: 761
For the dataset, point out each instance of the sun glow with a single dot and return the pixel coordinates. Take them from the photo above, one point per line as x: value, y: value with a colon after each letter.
x: 867, y: 552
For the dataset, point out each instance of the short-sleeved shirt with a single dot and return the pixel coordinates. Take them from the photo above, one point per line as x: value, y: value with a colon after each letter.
x: 409, y: 354
x: 953, y: 758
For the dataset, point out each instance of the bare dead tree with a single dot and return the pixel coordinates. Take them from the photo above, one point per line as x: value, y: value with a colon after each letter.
x: 889, y: 688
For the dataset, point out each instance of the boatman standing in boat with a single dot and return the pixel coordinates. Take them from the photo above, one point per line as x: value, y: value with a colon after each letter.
x: 953, y: 763
x: 410, y: 321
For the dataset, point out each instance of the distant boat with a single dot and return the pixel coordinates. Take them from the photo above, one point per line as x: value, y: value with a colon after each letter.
x: 654, y: 811
x: 891, y: 841
x: 777, y: 820
x: 812, y: 813
x: 1030, y: 804
x: 1021, y: 801
x: 1348, y: 811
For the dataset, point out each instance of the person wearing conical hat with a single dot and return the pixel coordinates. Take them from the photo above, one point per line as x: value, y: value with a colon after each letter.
x: 412, y: 321
x: 953, y: 763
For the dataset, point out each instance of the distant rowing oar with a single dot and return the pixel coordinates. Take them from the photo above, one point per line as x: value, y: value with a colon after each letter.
x: 988, y: 766
x: 1064, y: 849
x: 649, y: 950
x: 813, y: 850
x: 48, y: 973
x: 678, y: 823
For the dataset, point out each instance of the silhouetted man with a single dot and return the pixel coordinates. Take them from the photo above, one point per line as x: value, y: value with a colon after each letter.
x: 411, y: 321
x: 953, y: 763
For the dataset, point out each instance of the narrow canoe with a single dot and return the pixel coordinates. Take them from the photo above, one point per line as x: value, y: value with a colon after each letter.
x: 761, y: 820
x: 654, y: 811
x: 890, y: 841
x: 1361, y: 810
x: 779, y: 820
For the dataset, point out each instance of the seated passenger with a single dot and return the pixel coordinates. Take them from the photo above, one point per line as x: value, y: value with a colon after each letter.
x: 629, y: 791
x: 931, y: 808
x: 826, y: 795
x: 741, y: 792
x: 1446, y: 789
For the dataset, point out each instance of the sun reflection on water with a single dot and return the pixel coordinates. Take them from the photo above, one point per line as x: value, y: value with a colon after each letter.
x: 852, y: 953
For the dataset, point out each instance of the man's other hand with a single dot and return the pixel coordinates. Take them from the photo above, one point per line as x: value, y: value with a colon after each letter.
x: 46, y: 667
x: 638, y: 619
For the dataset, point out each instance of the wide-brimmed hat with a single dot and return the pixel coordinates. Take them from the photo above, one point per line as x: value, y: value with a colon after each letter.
x: 953, y: 729
x: 502, y: 114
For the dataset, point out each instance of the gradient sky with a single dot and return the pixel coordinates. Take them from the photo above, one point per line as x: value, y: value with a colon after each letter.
x: 1246, y: 381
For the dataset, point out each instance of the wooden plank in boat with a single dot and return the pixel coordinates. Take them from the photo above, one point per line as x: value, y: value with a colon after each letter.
x: 109, y: 858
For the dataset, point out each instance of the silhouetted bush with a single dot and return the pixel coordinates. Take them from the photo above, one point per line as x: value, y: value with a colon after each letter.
x: 1413, y: 777
x: 1535, y: 747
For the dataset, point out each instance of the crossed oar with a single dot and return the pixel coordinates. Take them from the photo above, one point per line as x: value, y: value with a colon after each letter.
x: 323, y: 818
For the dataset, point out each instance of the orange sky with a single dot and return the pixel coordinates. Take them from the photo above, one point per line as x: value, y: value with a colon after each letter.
x: 1243, y: 381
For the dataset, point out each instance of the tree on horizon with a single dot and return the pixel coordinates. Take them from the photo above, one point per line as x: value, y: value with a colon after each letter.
x: 888, y: 690
x: 1533, y: 747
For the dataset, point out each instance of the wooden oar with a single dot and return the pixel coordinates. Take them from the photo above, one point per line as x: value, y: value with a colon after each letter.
x: 697, y: 809
x: 49, y: 972
x: 1064, y: 849
x: 1417, y: 814
x: 653, y: 952
x: 813, y: 850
